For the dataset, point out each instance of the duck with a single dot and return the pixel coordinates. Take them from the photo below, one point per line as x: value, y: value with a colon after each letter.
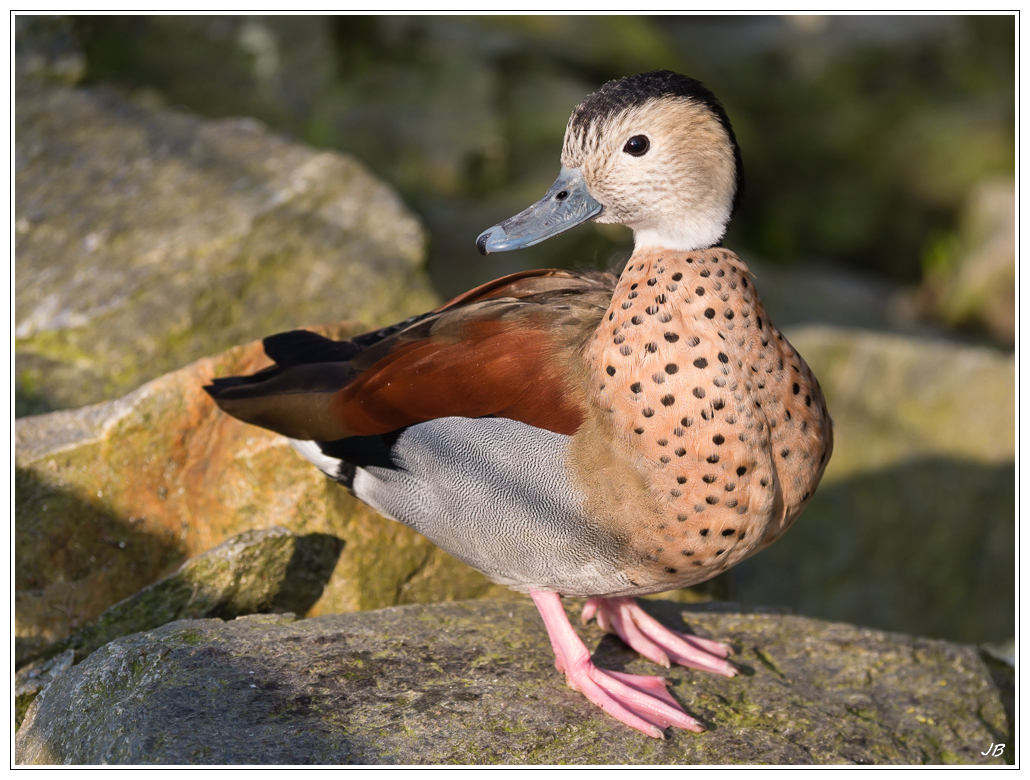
x: 577, y: 433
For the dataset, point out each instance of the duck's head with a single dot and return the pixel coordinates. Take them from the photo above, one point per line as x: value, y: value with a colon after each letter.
x: 654, y: 152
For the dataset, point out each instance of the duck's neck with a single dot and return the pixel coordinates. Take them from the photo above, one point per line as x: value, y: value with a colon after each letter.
x: 699, y: 229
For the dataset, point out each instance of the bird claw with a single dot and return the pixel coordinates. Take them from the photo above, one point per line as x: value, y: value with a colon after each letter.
x: 641, y: 702
x: 625, y: 618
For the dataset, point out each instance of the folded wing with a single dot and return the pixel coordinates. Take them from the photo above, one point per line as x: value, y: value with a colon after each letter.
x: 506, y: 349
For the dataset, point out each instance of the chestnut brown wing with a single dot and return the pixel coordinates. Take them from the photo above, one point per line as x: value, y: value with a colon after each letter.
x: 507, y: 349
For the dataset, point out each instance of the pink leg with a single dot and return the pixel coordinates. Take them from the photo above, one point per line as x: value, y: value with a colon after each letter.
x: 624, y: 617
x: 640, y: 702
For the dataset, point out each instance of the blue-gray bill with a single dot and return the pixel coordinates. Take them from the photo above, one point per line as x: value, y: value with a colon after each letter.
x: 565, y: 205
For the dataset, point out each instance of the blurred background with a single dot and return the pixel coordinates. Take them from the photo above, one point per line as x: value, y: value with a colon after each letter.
x: 879, y: 218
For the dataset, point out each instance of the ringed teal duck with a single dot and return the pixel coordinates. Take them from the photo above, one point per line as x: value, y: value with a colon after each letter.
x: 570, y: 433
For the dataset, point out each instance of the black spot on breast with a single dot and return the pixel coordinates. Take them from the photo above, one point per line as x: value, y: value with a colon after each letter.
x: 805, y: 496
x: 662, y: 442
x: 648, y: 412
x: 687, y: 553
x: 728, y: 314
x: 670, y: 570
x: 671, y: 368
x: 699, y: 392
x: 703, y: 532
x: 720, y: 272
x: 665, y: 459
x: 763, y: 482
x: 680, y: 451
x: 719, y: 552
x: 681, y: 480
x: 693, y: 341
x: 796, y: 388
x: 633, y: 295
x: 652, y: 282
x: 635, y: 387
x: 709, y: 313
x: 660, y: 299
x: 706, y: 414
x: 705, y: 273
x: 668, y: 400
x: 625, y: 350
x: 729, y: 487
x: 634, y: 285
x: 610, y: 370
x: 619, y: 339
x: 651, y: 309
x: 678, y: 431
x: 717, y: 404
x: 708, y: 479
x: 638, y: 430
x: 651, y: 347
x: 611, y: 316
x: 719, y: 382
x: 699, y: 291
x: 672, y: 338
x: 712, y: 458
x: 743, y: 534
x: 784, y: 452
x: 729, y: 531
x: 677, y: 276
x: 626, y: 304
x: 686, y: 422
x: 808, y: 400
x: 718, y: 438
x: 675, y: 493
x: 700, y: 363
x: 637, y: 319
x: 682, y: 518
x: 723, y: 358
x: 711, y: 500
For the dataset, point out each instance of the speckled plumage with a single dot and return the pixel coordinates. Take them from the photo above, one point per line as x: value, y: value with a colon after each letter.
x: 570, y: 433
x: 723, y: 418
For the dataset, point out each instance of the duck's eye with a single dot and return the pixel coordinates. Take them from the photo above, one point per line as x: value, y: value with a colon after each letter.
x: 637, y: 146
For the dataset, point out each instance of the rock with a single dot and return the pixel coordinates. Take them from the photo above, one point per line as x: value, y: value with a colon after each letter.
x: 913, y: 526
x: 271, y: 570
x: 474, y: 682
x: 971, y: 278
x: 148, y: 237
x: 111, y: 497
x: 34, y: 677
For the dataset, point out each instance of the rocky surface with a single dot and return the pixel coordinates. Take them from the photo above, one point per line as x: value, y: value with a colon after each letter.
x: 148, y: 237
x: 111, y: 497
x: 270, y: 570
x: 474, y: 682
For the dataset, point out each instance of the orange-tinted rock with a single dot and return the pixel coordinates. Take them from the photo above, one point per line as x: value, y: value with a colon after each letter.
x: 111, y: 497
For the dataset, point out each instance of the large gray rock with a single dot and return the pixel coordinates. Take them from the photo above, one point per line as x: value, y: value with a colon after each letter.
x: 148, y: 237
x: 474, y: 682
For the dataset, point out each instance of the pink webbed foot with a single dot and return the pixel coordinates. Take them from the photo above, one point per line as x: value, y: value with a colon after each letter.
x: 640, y: 702
x: 624, y: 617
